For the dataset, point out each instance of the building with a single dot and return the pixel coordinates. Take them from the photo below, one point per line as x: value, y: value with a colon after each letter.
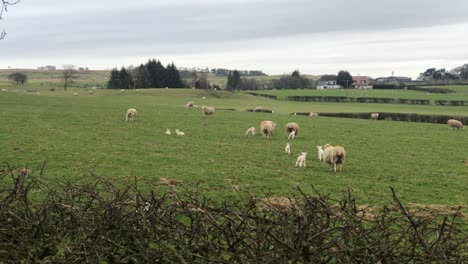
x: 47, y: 68
x: 393, y: 79
x: 361, y: 82
x: 327, y: 85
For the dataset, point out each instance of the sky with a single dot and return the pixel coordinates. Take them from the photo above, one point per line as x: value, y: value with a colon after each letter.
x: 365, y: 37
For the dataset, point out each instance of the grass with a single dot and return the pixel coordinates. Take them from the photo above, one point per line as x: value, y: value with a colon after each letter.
x: 425, y: 163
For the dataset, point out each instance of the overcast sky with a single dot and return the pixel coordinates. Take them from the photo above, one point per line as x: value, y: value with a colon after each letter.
x: 365, y: 37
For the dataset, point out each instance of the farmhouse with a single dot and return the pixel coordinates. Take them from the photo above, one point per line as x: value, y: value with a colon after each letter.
x: 327, y: 85
x: 361, y: 82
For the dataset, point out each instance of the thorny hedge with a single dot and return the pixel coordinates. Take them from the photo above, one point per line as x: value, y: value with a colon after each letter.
x: 103, y: 221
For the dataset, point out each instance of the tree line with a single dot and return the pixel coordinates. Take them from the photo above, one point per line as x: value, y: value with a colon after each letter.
x: 151, y: 74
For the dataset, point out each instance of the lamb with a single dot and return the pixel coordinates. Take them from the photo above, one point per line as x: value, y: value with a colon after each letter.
x: 320, y: 152
x: 168, y: 131
x: 374, y: 116
x: 267, y: 128
x: 251, y: 131
x: 131, y: 114
x: 258, y: 109
x: 455, y: 123
x: 287, y: 149
x: 75, y: 94
x: 301, y: 160
x: 290, y: 127
x: 179, y: 133
x: 208, y: 110
x: 189, y: 104
x: 292, y: 135
x: 334, y: 155
x: 4, y: 90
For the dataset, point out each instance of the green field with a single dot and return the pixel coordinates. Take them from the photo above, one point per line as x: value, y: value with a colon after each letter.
x: 77, y: 135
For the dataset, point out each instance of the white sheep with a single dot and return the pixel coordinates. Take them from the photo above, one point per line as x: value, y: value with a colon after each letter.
x: 374, y: 116
x: 179, y: 133
x: 251, y: 131
x: 4, y: 90
x: 90, y: 92
x: 267, y: 128
x: 131, y: 114
x: 287, y: 149
x: 292, y: 135
x: 455, y: 123
x: 320, y: 152
x: 208, y: 110
x: 189, y: 104
x: 301, y: 160
x: 258, y: 109
x: 122, y: 90
x: 290, y: 127
x: 168, y: 131
x: 75, y: 94
x: 313, y: 114
x: 334, y: 155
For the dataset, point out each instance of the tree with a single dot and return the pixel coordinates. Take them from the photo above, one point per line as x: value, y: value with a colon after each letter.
x: 157, y: 73
x: 296, y: 74
x: 328, y: 77
x: 344, y: 79
x: 202, y: 82
x: 69, y: 75
x: 141, y: 77
x: 233, y: 80
x: 18, y: 77
x: 173, y: 77
x: 114, y: 82
x: 464, y: 73
x: 4, y: 8
x: 125, y: 79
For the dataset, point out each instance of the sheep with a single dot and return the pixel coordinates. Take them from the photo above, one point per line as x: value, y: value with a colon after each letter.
x: 320, y: 152
x: 251, y: 131
x: 292, y: 135
x: 122, y: 90
x: 290, y: 127
x: 301, y: 160
x: 258, y: 109
x: 179, y: 133
x: 4, y: 90
x: 131, y: 114
x: 195, y: 106
x: 90, y: 92
x: 287, y: 149
x: 75, y: 94
x: 313, y: 114
x: 189, y: 104
x: 168, y: 131
x: 208, y: 110
x: 334, y: 155
x: 267, y: 128
x: 455, y: 123
x: 374, y: 116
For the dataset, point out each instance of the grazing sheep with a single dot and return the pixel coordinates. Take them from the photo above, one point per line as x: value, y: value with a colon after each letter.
x: 292, y: 135
x: 258, y: 108
x: 179, y: 133
x: 208, y: 110
x: 122, y: 90
x: 320, y: 152
x: 290, y: 127
x: 374, y: 116
x: 287, y: 149
x: 168, y: 131
x: 90, y: 92
x: 4, y: 90
x: 334, y: 155
x: 267, y: 128
x: 204, y: 97
x: 189, y: 104
x: 455, y: 123
x: 75, y: 94
x: 131, y: 114
x: 313, y: 114
x: 301, y: 160
x: 251, y: 131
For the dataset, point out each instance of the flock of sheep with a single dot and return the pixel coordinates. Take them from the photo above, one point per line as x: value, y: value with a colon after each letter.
x: 333, y: 155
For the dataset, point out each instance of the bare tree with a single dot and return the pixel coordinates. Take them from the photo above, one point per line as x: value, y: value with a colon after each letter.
x: 69, y: 75
x: 4, y: 8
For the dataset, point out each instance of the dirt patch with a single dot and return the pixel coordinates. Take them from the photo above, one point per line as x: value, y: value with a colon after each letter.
x: 431, y: 210
x: 278, y: 203
x: 168, y: 182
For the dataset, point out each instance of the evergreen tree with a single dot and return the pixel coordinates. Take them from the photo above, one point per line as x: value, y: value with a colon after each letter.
x: 125, y: 79
x: 157, y: 73
x: 344, y: 79
x: 233, y: 80
x: 114, y: 82
x: 173, y: 77
x: 142, y: 77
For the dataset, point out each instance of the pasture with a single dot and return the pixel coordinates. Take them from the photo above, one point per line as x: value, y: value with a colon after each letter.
x: 84, y: 134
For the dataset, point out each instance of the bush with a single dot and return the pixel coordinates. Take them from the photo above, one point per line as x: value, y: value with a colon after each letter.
x: 110, y: 222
